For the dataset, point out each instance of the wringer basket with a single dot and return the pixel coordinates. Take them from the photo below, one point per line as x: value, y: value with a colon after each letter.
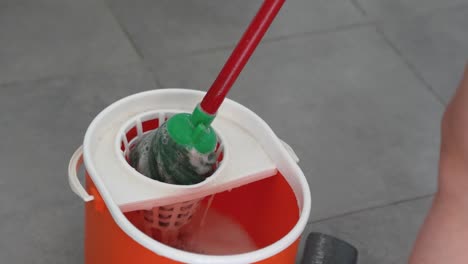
x: 162, y: 222
x: 130, y: 218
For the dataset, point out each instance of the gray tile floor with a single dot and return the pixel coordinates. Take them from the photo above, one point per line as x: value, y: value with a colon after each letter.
x: 357, y: 87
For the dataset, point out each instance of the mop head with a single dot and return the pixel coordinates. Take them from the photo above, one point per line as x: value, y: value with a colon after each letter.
x: 159, y: 157
x: 181, y: 151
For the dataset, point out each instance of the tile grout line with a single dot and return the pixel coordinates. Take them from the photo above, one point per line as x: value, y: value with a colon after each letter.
x: 38, y: 79
x: 427, y: 86
x: 299, y: 35
x: 124, y: 31
x: 319, y: 32
x: 359, y: 7
x: 410, y: 66
x: 371, y: 208
x: 430, y: 12
x: 153, y: 74
x: 54, y: 76
x: 134, y: 46
x: 435, y: 11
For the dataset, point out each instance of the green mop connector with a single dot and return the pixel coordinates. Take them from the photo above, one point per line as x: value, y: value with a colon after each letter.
x: 193, y: 130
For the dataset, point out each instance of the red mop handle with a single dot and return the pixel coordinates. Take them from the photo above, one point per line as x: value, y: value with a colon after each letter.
x: 241, y: 54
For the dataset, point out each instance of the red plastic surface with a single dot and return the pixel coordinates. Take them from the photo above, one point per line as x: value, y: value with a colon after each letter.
x: 266, y: 209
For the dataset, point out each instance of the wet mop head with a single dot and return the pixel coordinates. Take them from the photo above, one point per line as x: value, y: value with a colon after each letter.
x: 181, y: 151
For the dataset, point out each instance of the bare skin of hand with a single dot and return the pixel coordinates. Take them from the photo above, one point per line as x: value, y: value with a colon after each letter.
x: 444, y: 235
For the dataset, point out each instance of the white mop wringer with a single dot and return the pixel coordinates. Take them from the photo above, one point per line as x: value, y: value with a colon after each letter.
x: 257, y: 184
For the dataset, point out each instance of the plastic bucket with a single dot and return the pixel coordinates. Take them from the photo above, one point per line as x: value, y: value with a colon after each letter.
x: 273, y: 211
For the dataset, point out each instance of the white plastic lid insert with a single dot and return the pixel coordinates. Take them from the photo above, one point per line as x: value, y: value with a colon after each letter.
x: 251, y: 150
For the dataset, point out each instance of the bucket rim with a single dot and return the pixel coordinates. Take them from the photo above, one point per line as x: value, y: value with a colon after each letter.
x: 158, y: 248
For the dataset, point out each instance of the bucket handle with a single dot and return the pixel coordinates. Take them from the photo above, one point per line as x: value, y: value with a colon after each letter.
x: 290, y: 151
x: 75, y: 163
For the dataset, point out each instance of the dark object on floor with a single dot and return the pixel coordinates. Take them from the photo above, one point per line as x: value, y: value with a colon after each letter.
x: 325, y: 249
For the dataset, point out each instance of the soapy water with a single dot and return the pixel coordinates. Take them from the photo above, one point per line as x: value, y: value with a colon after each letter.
x: 213, y: 234
x: 203, y: 163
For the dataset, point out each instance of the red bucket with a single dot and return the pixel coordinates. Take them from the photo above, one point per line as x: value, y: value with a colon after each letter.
x: 272, y: 209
